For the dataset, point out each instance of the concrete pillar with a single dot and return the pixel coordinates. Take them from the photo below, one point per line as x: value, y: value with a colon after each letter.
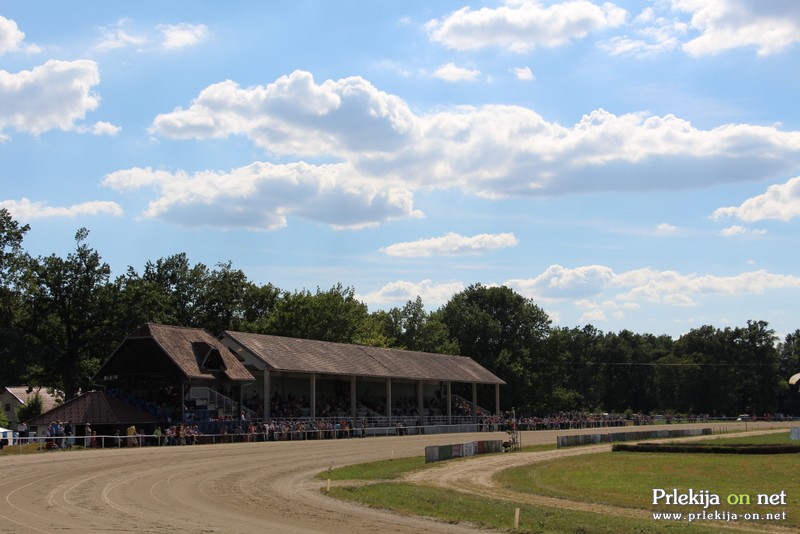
x: 389, y: 399
x: 449, y: 405
x: 474, y: 402
x: 313, y: 395
x: 353, y: 400
x: 420, y: 406
x: 267, y: 392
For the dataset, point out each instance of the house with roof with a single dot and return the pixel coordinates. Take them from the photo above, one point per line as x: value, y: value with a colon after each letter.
x: 97, y: 411
x: 12, y: 397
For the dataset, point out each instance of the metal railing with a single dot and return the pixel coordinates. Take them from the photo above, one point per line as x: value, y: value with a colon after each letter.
x: 217, y: 401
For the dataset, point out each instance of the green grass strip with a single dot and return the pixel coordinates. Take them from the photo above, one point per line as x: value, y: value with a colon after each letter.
x: 456, y: 507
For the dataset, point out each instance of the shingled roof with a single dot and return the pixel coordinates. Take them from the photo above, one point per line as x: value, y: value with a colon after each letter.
x: 323, y: 357
x: 194, y: 352
x: 95, y: 407
x: 24, y: 393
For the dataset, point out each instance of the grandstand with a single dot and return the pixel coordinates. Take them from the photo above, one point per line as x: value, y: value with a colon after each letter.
x: 186, y: 375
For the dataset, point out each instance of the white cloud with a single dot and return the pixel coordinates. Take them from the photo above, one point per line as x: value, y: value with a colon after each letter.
x: 600, y: 283
x: 521, y: 26
x: 492, y: 150
x: 105, y: 128
x: 54, y: 95
x: 26, y: 210
x: 594, y: 312
x: 182, y: 35
x: 598, y: 292
x: 706, y: 27
x: 294, y: 115
x: 118, y: 36
x: 770, y: 26
x: 655, y: 35
x: 451, y: 244
x: 165, y: 36
x: 262, y: 196
x: 452, y: 73
x: 12, y: 39
x: 398, y: 293
x: 780, y: 202
x: 666, y: 229
x: 560, y: 282
x: 524, y: 74
x: 736, y: 230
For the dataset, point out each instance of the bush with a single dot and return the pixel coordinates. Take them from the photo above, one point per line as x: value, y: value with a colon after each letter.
x: 32, y: 408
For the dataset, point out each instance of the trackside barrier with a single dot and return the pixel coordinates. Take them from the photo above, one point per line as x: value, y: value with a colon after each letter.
x: 438, y: 453
x: 794, y: 433
x: 592, y: 439
x: 44, y: 443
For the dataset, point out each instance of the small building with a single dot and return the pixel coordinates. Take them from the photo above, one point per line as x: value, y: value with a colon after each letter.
x: 95, y: 411
x: 12, y: 397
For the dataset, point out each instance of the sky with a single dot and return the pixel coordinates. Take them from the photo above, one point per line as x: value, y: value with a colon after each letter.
x: 628, y: 164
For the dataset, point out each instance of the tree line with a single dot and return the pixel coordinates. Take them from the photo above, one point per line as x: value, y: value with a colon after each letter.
x: 61, y: 317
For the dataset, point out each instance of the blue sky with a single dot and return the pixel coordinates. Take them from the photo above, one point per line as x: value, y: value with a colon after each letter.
x: 630, y: 164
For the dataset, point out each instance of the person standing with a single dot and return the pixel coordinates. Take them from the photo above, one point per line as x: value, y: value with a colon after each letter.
x: 131, y: 439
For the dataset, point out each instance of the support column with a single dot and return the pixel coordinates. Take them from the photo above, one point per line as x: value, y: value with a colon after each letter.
x: 389, y: 399
x: 183, y: 400
x: 267, y: 395
x: 474, y: 402
x: 313, y: 395
x: 353, y: 400
x: 239, y: 406
x: 449, y: 405
x: 420, y: 407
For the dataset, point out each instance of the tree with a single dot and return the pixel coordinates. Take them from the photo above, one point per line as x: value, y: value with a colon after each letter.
x: 33, y: 407
x: 220, y: 299
x: 180, y: 286
x: 504, y: 332
x: 789, y: 365
x: 13, y: 268
x: 68, y: 314
x: 333, y: 315
x: 757, y: 355
x: 413, y: 328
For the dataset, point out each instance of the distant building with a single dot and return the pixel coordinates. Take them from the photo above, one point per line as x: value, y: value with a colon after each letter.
x: 12, y: 397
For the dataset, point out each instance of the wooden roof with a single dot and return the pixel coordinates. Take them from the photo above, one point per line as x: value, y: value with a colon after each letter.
x: 194, y: 353
x: 94, y: 407
x: 24, y: 393
x: 323, y: 357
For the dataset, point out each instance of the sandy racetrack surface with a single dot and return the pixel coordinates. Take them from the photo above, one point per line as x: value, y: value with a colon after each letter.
x: 229, y: 488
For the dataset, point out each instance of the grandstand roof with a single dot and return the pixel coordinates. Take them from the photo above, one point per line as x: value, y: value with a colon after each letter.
x: 192, y: 352
x: 323, y: 357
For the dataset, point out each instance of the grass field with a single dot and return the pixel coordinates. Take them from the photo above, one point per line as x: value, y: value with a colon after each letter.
x: 617, y: 479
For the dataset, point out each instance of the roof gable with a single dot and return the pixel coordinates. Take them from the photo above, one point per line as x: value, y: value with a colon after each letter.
x: 187, y: 348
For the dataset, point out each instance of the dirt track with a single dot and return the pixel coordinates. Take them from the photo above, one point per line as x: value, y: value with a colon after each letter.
x: 245, y: 487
